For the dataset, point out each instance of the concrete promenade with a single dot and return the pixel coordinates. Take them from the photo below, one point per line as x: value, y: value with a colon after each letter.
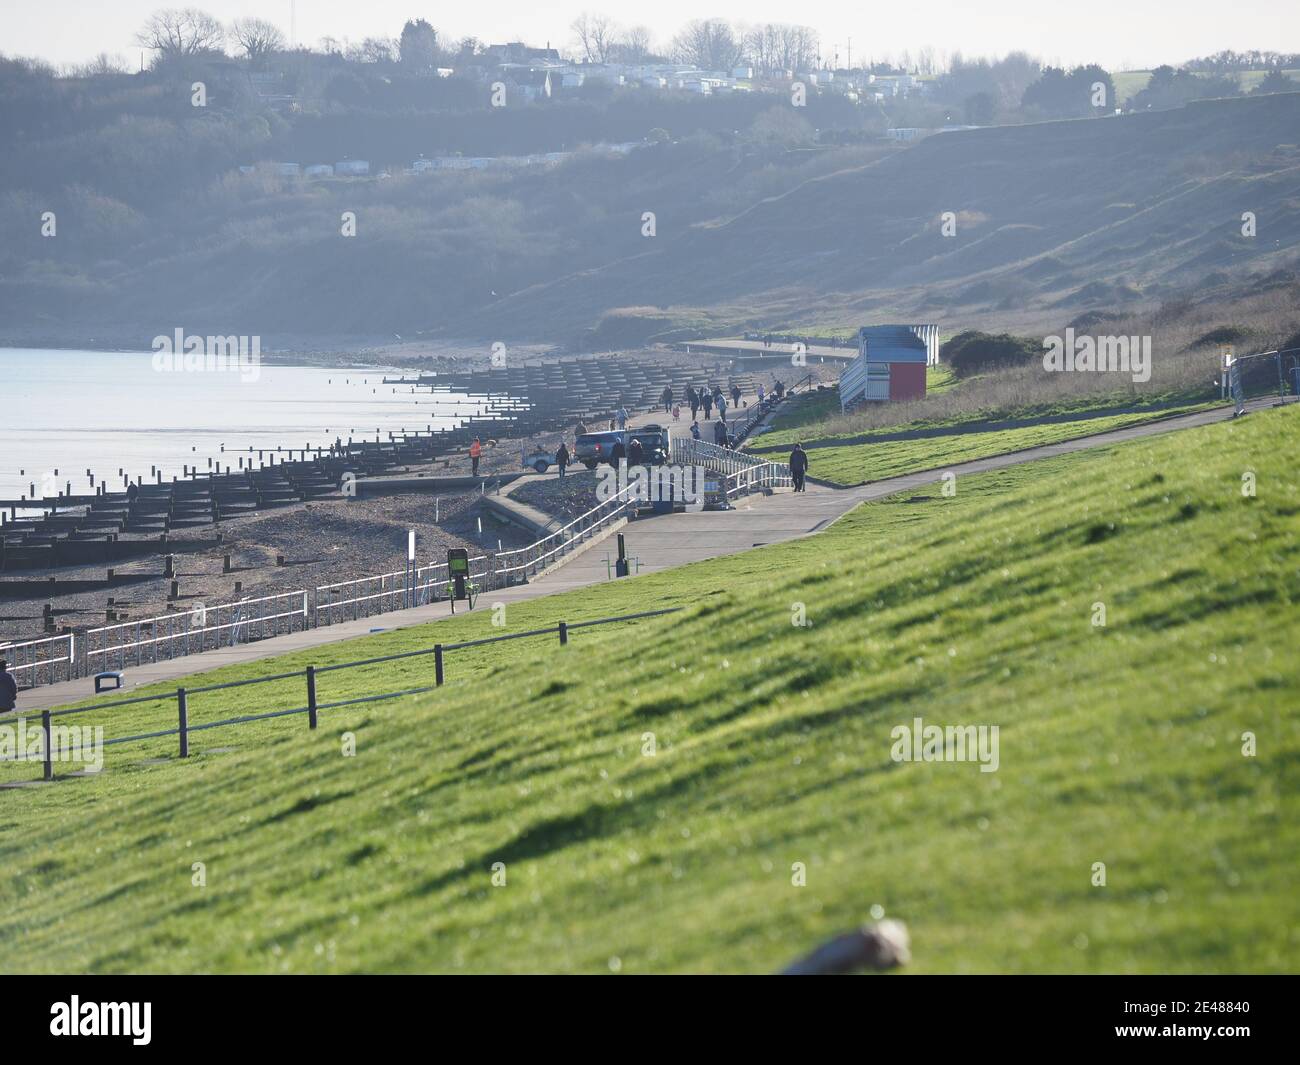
x: 658, y: 543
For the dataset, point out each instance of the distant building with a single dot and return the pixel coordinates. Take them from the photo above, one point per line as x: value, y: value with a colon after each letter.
x: 317, y: 170
x: 352, y: 168
x: 288, y: 169
x: 891, y: 364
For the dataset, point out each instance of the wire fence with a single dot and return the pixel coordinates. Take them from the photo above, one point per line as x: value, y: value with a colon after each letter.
x: 57, y: 741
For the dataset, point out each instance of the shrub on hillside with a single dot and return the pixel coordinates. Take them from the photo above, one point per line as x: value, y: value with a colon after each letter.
x: 972, y: 351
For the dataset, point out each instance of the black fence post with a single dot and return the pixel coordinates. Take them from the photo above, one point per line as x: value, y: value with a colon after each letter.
x: 437, y: 663
x: 311, y: 696
x: 564, y: 633
x: 183, y: 718
x: 49, y: 751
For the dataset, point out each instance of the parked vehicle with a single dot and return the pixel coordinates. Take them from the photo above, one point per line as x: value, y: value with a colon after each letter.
x: 655, y: 448
x: 592, y: 449
x: 538, y: 459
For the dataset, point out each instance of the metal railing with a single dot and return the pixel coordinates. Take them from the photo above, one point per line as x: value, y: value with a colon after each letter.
x: 28, y: 658
x: 385, y: 592
x: 49, y: 751
x: 193, y: 631
x: 768, y: 476
x: 761, y: 410
x: 687, y: 451
x: 202, y: 628
x: 512, y: 567
x: 742, y: 473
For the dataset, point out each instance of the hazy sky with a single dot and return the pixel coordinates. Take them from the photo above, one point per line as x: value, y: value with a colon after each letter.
x: 1117, y: 33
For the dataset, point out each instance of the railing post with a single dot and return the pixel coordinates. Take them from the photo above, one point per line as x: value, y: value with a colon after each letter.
x: 437, y: 663
x: 311, y: 696
x: 182, y: 714
x: 49, y: 752
x: 564, y: 633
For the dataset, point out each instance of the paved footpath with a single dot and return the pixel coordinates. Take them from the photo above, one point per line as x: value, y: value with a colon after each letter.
x: 659, y: 542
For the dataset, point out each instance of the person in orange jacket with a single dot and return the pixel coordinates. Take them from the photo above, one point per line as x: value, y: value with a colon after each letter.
x: 475, y: 450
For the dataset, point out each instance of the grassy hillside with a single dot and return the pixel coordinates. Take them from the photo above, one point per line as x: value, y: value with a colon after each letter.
x: 931, y: 443
x: 1040, y: 227
x: 1118, y: 744
x: 1051, y: 218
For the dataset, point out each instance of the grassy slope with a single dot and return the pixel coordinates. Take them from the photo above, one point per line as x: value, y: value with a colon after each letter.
x: 939, y: 442
x: 1119, y: 745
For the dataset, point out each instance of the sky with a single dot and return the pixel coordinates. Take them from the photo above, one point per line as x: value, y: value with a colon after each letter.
x: 1119, y: 34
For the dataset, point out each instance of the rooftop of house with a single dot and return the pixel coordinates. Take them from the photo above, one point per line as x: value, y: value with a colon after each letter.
x: 892, y: 343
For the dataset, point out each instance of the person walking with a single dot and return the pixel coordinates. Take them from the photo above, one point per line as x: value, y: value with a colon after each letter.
x: 735, y: 396
x: 720, y: 433
x: 695, y: 430
x: 693, y: 401
x: 779, y: 389
x: 798, y: 466
x: 707, y: 400
x: 562, y: 457
x: 760, y: 393
x: 721, y: 401
x: 677, y: 413
x: 635, y: 454
x: 8, y: 688
x: 475, y: 453
x: 667, y: 398
x: 620, y: 416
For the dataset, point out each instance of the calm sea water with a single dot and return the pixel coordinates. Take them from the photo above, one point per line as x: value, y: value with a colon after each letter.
x: 79, y: 410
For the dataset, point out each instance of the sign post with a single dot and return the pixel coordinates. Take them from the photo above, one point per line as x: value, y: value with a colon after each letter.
x: 458, y: 574
x: 410, y: 567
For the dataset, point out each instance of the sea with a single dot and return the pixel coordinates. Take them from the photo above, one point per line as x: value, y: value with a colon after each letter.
x: 68, y: 415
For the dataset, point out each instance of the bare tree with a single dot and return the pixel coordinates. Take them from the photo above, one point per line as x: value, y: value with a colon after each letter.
x: 257, y: 37
x: 776, y: 47
x: 633, y: 46
x: 100, y: 66
x: 375, y: 50
x: 178, y: 32
x: 709, y: 44
x: 596, y: 36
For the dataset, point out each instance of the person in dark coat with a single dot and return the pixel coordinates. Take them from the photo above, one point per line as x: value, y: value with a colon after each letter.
x: 720, y: 433
x: 8, y: 688
x: 735, y: 396
x: 707, y: 400
x: 693, y: 401
x: 798, y: 466
x: 562, y: 457
x: 666, y: 398
x: 635, y: 453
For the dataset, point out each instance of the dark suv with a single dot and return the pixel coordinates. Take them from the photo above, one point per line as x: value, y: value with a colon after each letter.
x: 654, y: 444
x: 592, y: 449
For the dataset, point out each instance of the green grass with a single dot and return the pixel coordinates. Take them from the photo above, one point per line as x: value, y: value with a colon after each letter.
x: 938, y: 380
x: 1128, y: 83
x: 1119, y: 745
x: 928, y: 444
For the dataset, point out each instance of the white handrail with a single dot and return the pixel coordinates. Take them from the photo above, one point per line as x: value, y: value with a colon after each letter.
x: 185, y: 613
